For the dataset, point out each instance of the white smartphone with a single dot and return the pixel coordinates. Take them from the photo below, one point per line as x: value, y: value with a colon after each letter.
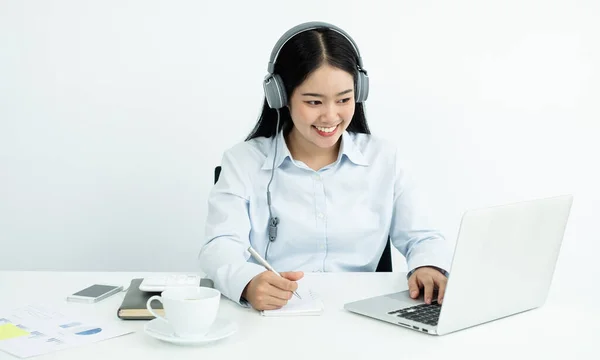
x: 94, y: 293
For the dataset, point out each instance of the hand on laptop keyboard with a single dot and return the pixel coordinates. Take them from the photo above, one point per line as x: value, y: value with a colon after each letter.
x: 430, y: 282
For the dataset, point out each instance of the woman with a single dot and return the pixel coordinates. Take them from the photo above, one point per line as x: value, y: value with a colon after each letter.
x: 311, y: 189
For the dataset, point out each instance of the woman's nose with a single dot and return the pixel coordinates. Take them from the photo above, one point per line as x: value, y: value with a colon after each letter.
x: 330, y: 112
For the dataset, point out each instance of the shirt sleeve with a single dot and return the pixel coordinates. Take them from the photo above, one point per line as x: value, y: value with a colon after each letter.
x: 223, y: 255
x: 411, y: 232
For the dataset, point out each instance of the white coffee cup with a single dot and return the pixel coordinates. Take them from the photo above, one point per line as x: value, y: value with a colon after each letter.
x: 189, y: 310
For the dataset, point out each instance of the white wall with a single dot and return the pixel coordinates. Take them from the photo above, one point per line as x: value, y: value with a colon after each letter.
x: 114, y: 113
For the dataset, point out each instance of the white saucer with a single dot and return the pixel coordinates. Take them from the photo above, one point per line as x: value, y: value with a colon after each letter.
x: 161, y: 330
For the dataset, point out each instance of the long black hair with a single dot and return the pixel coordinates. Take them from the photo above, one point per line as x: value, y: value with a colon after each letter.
x: 298, y: 58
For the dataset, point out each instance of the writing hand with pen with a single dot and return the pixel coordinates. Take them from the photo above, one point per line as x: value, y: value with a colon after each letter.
x: 267, y: 291
x: 270, y: 290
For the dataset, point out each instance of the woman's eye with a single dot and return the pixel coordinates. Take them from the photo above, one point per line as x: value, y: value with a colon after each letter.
x: 318, y: 102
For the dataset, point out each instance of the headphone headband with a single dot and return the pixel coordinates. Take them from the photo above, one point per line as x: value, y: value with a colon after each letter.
x: 305, y: 27
x: 273, y: 84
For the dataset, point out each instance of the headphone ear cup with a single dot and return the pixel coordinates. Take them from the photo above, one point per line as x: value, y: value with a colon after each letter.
x: 362, y: 87
x: 275, y: 91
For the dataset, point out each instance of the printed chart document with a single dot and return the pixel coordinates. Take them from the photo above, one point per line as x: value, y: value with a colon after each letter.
x: 38, y: 329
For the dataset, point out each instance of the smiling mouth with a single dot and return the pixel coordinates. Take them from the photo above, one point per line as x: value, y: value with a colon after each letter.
x: 326, y: 131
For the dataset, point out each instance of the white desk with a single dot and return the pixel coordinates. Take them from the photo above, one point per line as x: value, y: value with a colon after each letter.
x: 568, y: 325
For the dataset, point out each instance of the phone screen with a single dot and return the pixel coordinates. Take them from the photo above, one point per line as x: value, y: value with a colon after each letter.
x: 95, y: 290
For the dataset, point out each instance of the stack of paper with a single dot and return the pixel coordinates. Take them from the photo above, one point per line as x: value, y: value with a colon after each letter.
x: 310, y: 304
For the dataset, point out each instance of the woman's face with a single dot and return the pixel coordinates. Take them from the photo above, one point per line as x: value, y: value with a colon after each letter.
x: 322, y: 107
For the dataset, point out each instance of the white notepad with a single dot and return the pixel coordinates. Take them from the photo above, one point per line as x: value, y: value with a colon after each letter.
x: 311, y: 304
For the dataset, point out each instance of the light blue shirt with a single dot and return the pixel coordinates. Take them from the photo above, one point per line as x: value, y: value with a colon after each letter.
x: 335, y: 219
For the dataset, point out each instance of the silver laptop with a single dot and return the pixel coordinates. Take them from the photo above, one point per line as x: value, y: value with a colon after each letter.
x: 503, y: 264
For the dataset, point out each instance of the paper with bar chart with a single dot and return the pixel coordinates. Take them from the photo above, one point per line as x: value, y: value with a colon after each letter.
x: 35, y: 329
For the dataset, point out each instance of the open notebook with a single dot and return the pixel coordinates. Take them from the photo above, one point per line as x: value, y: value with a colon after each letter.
x: 310, y: 304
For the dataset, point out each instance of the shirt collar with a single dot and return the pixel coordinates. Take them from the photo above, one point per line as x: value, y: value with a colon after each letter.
x: 351, y: 150
x: 348, y: 148
x: 282, y: 152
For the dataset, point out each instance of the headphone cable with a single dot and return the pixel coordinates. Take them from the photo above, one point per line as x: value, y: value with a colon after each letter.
x: 273, y: 221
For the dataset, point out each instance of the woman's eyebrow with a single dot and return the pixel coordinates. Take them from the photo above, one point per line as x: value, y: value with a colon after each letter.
x: 320, y: 95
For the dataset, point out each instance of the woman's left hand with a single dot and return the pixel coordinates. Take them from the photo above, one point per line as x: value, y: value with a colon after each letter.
x: 427, y: 278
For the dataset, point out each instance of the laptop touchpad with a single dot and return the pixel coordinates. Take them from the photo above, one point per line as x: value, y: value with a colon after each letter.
x: 404, y: 296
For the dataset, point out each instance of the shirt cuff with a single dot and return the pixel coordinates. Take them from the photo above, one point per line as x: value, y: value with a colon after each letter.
x: 242, y: 276
x: 446, y: 274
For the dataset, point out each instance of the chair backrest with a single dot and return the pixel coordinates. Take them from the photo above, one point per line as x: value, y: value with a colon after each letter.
x: 385, y: 262
x: 217, y: 173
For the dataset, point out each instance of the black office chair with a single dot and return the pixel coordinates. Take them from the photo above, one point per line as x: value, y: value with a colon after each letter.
x: 217, y: 173
x: 385, y: 262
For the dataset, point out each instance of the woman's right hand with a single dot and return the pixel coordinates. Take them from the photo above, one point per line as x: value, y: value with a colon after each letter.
x: 267, y: 291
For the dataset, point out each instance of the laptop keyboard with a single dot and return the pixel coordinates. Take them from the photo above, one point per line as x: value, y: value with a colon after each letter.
x: 424, y: 313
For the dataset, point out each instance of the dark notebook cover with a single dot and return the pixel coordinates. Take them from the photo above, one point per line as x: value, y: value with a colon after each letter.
x: 133, y: 306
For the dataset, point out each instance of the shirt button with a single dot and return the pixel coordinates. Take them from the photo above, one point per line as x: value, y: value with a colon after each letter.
x: 317, y: 177
x: 321, y: 215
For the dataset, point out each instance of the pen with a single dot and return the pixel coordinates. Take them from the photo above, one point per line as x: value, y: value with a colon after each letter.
x: 264, y: 263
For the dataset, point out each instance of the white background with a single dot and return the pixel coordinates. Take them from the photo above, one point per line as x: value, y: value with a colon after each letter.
x: 113, y: 115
